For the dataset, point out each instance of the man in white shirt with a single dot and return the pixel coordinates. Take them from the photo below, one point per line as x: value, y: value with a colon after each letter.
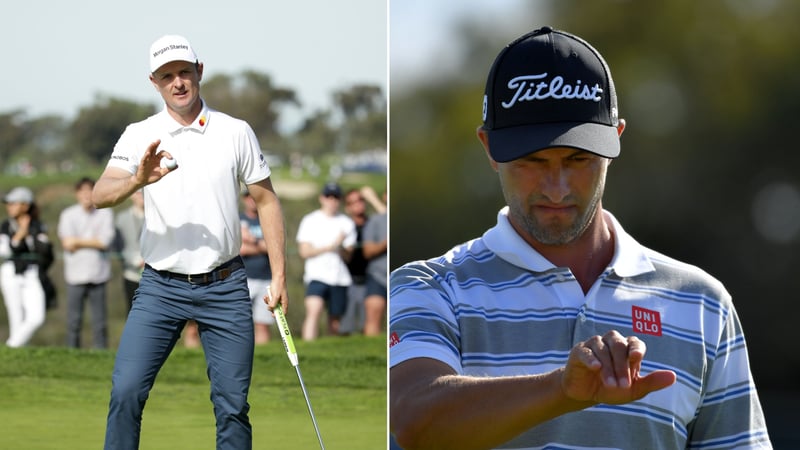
x: 86, y: 233
x: 325, y: 239
x: 190, y: 160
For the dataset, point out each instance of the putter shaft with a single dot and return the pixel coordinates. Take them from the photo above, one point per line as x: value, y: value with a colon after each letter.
x: 288, y: 343
x: 308, y: 403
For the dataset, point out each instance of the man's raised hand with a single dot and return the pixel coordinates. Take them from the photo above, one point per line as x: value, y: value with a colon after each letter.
x: 605, y: 369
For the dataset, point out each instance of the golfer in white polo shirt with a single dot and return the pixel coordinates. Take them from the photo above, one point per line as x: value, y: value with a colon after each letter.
x: 190, y: 159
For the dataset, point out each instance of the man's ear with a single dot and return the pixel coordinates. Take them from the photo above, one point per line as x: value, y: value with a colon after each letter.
x: 483, y: 136
x: 620, y: 127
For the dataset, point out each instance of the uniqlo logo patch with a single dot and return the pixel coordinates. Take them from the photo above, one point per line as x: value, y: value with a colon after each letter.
x: 393, y: 339
x: 646, y: 321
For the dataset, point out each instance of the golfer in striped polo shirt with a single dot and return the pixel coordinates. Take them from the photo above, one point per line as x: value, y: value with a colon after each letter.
x: 556, y: 329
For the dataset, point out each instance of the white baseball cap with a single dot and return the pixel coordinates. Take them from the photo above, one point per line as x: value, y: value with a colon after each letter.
x: 170, y: 48
x: 19, y: 195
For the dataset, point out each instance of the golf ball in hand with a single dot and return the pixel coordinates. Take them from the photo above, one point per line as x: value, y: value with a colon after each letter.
x: 170, y: 163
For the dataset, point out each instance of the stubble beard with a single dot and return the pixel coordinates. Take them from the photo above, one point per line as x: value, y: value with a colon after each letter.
x: 552, y: 233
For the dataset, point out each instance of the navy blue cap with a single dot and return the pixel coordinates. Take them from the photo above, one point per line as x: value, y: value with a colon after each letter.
x: 332, y: 189
x: 547, y: 89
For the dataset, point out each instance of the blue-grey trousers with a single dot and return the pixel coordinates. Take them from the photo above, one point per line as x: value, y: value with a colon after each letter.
x: 160, y: 310
x: 77, y: 296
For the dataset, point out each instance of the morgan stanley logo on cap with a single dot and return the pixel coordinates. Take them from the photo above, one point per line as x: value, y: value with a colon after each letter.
x: 548, y: 89
x: 170, y: 48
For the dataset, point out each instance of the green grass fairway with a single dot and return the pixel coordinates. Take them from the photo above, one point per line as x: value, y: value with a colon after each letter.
x: 57, y: 398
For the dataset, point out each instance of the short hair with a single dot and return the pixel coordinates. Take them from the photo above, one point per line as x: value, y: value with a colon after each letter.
x: 84, y: 181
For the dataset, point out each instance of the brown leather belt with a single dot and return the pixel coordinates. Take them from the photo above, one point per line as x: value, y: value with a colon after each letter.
x: 222, y: 272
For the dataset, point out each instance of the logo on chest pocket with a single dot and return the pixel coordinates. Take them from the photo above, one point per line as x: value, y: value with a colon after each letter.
x: 646, y: 321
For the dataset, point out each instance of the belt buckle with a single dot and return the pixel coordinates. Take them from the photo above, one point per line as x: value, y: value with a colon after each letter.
x: 197, y: 279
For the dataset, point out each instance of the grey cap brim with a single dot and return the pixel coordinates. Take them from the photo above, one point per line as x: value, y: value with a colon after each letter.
x: 510, y: 143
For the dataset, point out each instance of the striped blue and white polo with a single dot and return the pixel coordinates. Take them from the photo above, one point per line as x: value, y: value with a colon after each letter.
x: 495, y: 307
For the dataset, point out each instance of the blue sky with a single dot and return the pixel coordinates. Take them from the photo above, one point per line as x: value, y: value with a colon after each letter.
x: 58, y: 55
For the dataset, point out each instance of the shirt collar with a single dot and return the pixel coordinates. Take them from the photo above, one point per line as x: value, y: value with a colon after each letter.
x: 629, y: 258
x: 199, y: 125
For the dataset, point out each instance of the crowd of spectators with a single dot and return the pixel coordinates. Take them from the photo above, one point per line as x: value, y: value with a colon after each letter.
x: 89, y: 239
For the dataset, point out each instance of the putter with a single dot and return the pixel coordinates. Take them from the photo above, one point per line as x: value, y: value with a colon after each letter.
x: 288, y: 344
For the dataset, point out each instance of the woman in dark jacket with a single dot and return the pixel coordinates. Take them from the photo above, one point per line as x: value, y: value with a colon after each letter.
x: 26, y: 254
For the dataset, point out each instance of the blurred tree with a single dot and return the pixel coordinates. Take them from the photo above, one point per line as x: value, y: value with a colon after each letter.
x: 46, y: 136
x: 363, y: 108
x: 251, y: 96
x: 96, y: 129
x: 315, y: 135
x: 254, y: 98
x: 13, y: 134
x: 359, y: 101
x: 30, y: 142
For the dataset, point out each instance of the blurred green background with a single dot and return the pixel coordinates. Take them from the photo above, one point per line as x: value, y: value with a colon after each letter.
x: 709, y: 166
x: 55, y: 192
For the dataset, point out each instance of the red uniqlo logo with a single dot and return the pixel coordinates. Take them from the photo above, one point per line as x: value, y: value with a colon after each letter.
x: 646, y: 321
x: 393, y: 339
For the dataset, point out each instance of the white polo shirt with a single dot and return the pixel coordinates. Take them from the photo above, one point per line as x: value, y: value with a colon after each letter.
x: 192, y: 214
x: 322, y: 230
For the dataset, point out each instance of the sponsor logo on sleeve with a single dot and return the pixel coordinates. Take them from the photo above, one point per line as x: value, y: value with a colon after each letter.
x: 393, y: 339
